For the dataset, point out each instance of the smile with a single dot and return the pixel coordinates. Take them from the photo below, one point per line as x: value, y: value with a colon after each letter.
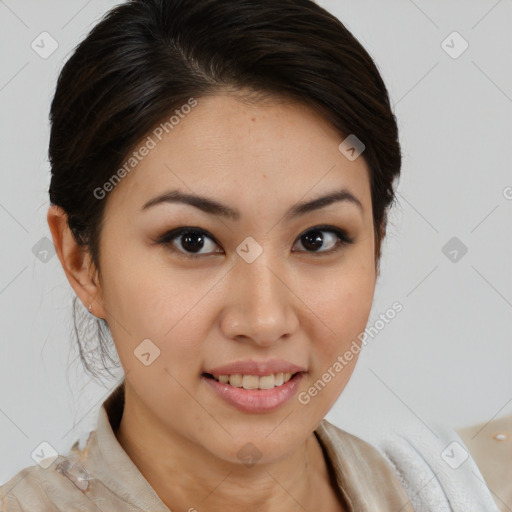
x: 253, y: 393
x: 253, y: 381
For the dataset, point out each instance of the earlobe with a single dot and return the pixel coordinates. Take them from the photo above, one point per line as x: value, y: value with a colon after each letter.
x: 75, y: 261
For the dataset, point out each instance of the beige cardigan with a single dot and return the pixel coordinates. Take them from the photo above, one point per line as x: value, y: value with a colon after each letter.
x: 102, y: 476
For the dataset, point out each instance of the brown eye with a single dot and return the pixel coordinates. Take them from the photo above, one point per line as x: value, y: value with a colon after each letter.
x: 195, y: 242
x: 324, y: 239
x: 190, y: 242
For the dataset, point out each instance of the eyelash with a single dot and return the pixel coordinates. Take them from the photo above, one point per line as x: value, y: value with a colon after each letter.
x: 168, y: 237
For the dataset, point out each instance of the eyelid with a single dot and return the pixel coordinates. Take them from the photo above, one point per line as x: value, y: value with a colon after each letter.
x: 333, y: 229
x: 173, y: 234
x: 343, y: 239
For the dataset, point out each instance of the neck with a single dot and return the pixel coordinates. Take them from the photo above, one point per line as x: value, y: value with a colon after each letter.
x: 187, y: 477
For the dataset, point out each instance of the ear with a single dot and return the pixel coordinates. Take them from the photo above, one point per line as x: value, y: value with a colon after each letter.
x: 76, y: 262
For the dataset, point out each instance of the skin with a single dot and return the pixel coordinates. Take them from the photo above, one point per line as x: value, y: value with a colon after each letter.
x: 304, y: 307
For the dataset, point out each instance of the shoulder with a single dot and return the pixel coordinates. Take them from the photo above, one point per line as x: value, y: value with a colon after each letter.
x: 352, y: 447
x: 490, y: 444
x: 434, y: 467
x: 57, y: 483
x: 363, y: 474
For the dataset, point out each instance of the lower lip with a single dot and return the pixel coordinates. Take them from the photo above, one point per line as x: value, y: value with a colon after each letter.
x: 255, y: 400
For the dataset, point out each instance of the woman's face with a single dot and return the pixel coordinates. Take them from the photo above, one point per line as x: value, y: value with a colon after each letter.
x: 267, y: 290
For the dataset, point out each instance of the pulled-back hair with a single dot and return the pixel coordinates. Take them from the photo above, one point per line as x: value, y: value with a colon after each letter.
x: 147, y: 58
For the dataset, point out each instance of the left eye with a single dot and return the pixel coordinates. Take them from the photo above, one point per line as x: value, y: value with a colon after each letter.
x: 191, y: 241
x: 314, y: 239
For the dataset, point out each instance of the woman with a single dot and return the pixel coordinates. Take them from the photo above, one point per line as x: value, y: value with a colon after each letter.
x: 221, y: 175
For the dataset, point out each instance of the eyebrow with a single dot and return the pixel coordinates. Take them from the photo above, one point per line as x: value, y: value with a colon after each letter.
x: 215, y: 208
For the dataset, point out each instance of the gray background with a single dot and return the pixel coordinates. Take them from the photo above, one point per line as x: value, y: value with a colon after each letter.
x: 446, y: 358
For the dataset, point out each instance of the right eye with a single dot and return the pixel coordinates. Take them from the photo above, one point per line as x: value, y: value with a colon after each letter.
x: 189, y: 242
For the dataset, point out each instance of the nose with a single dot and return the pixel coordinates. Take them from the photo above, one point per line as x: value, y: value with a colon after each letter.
x: 260, y: 305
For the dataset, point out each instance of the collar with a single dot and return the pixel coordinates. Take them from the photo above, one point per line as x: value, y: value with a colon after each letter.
x: 361, y: 475
x: 108, y: 463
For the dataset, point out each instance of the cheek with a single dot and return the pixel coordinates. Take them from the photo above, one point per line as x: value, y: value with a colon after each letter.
x: 342, y: 301
x: 147, y: 298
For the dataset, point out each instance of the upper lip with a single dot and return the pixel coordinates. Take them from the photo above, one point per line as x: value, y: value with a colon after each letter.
x: 259, y: 368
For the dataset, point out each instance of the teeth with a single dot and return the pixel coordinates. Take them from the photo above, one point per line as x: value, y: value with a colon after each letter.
x: 255, y: 382
x: 235, y: 380
x: 250, y: 382
x: 267, y: 381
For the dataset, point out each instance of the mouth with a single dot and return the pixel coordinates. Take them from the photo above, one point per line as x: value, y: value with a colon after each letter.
x: 237, y: 380
x: 254, y: 393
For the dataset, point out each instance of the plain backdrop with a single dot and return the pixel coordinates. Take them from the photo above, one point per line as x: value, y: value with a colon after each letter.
x: 446, y: 358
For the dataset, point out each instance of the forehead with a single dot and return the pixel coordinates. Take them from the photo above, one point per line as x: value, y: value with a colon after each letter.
x: 244, y: 153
